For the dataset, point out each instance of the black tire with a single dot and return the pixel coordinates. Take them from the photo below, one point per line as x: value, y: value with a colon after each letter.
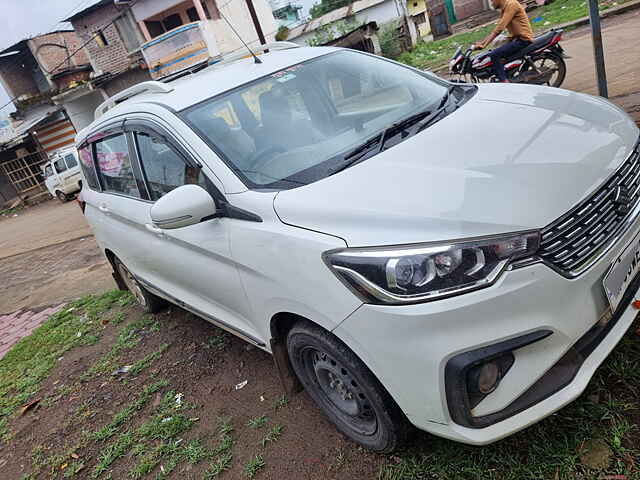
x: 63, y: 197
x: 345, y: 389
x: 149, y: 302
x: 543, y: 60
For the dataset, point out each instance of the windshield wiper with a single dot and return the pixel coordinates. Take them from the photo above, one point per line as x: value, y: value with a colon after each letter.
x: 377, y: 143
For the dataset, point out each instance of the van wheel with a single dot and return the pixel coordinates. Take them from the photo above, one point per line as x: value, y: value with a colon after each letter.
x: 61, y: 196
x: 345, y: 389
x: 148, y: 301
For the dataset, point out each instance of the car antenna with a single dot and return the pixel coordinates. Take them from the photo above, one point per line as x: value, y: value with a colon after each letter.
x: 255, y: 58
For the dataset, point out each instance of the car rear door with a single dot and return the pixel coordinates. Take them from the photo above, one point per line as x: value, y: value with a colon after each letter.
x: 119, y: 208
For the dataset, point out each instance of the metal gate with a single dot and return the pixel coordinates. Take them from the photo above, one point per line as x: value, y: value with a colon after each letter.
x: 25, y: 173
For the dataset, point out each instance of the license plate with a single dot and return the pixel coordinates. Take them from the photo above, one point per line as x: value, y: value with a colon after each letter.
x: 623, y: 270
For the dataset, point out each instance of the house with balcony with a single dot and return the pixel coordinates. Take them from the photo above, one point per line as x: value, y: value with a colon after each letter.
x: 287, y: 13
x: 128, y: 42
x: 33, y: 71
x: 182, y: 34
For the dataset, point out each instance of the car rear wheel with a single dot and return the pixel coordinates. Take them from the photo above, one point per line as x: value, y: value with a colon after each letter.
x: 345, y: 389
x: 148, y: 301
x: 62, y: 196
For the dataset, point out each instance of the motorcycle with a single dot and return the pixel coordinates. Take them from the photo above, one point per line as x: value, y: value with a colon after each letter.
x: 541, y: 63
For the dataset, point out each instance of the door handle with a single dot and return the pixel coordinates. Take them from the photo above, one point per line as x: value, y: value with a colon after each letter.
x: 153, y: 229
x: 103, y: 208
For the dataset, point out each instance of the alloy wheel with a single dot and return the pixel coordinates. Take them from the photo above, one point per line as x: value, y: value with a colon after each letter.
x: 132, y: 284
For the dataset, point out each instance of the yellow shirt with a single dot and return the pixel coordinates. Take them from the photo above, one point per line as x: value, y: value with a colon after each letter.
x: 514, y: 18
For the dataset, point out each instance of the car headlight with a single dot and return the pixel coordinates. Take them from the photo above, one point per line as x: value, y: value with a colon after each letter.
x: 420, y: 273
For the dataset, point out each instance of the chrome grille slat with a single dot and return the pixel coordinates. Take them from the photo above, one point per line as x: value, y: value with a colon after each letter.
x: 574, y: 241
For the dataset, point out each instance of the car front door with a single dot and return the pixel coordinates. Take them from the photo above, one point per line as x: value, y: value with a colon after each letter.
x: 193, y: 265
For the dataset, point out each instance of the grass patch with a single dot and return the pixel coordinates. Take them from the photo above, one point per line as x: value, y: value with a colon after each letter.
x: 128, y: 338
x: 128, y: 412
x: 257, y: 422
x: 429, y: 55
x: 282, y: 402
x: 272, y: 435
x: 29, y: 362
x: 143, y: 363
x: 253, y: 466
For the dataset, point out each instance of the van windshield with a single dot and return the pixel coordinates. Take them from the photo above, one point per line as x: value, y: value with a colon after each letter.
x: 297, y: 125
x: 48, y: 171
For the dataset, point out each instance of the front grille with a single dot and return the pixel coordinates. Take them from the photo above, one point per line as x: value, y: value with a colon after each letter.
x: 576, y: 240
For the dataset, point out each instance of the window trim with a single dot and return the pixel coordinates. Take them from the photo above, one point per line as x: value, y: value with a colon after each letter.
x: 109, y: 133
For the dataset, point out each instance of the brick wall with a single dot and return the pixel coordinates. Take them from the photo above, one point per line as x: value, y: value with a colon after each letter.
x: 113, y: 57
x: 16, y: 79
x: 53, y: 49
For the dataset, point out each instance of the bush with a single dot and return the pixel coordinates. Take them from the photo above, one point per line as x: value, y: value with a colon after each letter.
x: 282, y: 34
x: 390, y: 40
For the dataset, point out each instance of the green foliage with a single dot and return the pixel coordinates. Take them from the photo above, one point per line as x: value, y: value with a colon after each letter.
x: 390, y: 39
x: 253, y: 466
x: 326, y: 33
x: 326, y: 6
x: 272, y: 435
x: 282, y: 34
x: 257, y: 422
x: 28, y: 363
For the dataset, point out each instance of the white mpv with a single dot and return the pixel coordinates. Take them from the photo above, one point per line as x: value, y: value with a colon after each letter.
x: 460, y: 258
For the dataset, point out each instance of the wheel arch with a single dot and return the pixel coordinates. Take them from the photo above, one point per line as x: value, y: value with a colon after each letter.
x: 111, y: 256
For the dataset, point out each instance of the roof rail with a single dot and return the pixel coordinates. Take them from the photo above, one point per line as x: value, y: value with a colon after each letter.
x: 144, y: 87
x: 260, y: 49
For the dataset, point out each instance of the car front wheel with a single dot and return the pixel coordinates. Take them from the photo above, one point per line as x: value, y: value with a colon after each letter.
x: 345, y: 389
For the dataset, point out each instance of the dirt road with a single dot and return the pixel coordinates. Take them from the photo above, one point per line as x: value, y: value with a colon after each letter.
x: 619, y: 35
x: 48, y: 256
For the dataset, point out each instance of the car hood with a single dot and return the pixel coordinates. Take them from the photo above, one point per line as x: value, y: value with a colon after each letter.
x: 512, y: 158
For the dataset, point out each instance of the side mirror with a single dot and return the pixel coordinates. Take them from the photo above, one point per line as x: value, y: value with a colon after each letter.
x: 183, y: 206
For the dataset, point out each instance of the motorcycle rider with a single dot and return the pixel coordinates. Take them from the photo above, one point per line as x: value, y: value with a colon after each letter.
x: 514, y: 18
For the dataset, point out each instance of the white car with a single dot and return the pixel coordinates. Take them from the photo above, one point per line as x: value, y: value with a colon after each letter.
x: 62, y: 175
x: 456, y: 257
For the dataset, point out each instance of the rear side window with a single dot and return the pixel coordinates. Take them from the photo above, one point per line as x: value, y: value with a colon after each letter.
x: 88, y: 168
x: 70, y: 160
x: 163, y: 168
x: 60, y: 165
x: 114, y: 166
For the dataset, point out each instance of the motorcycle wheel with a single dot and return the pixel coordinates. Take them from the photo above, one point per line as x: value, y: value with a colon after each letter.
x: 547, y: 61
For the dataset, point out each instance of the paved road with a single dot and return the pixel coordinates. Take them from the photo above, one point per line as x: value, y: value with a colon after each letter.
x: 620, y: 36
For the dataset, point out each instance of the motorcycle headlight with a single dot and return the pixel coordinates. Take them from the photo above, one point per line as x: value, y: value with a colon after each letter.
x: 420, y: 273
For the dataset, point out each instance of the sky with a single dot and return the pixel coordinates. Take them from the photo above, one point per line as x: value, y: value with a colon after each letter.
x: 21, y: 19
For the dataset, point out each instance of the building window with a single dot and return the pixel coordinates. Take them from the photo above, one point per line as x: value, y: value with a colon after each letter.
x: 172, y: 21
x: 101, y: 39
x: 420, y: 19
x: 155, y: 28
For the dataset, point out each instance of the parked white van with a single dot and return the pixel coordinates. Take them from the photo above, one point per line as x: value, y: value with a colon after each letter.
x: 457, y: 257
x: 62, y: 174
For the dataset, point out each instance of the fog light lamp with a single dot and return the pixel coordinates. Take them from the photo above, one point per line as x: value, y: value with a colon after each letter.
x: 484, y: 378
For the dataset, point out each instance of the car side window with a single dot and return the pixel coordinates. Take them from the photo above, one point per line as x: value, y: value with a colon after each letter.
x: 163, y: 167
x: 87, y: 166
x: 114, y: 166
x: 70, y: 160
x: 48, y: 171
x: 60, y: 165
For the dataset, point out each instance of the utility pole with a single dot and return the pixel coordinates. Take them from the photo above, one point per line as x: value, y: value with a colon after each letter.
x: 256, y: 22
x: 598, y: 52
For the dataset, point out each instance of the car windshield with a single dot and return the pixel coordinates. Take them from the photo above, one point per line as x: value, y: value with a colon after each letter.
x: 297, y: 125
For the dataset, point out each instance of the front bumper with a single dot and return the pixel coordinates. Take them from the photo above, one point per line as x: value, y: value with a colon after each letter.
x: 409, y: 347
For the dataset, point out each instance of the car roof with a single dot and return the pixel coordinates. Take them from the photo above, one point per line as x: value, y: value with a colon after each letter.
x: 214, y: 80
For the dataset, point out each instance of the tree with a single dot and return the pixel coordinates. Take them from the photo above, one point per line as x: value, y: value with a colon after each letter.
x: 326, y: 6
